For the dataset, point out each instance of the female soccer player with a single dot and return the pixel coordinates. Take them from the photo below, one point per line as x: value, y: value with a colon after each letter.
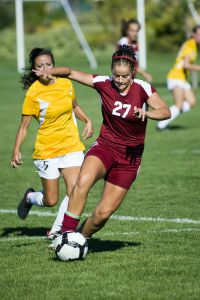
x: 116, y: 154
x: 58, y: 149
x: 177, y: 83
x: 130, y: 30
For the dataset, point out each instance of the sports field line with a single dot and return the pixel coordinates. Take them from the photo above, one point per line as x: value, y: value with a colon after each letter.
x: 24, y: 238
x: 114, y: 217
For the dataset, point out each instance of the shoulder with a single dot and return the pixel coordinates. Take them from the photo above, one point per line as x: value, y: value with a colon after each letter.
x: 123, y: 41
x: 33, y: 88
x: 101, y: 79
x: 189, y: 44
x: 101, y: 82
x: 145, y: 87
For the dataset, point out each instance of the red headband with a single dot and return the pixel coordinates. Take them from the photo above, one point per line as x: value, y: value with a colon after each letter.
x: 125, y: 57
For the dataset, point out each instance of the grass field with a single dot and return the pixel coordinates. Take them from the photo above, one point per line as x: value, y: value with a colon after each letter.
x: 149, y: 250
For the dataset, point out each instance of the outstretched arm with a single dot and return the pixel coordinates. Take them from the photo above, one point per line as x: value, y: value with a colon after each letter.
x: 189, y: 66
x: 81, y: 115
x: 20, y: 136
x: 81, y: 77
x: 160, y: 110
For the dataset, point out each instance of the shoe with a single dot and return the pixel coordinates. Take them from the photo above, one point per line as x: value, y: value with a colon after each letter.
x: 52, y: 235
x: 57, y: 239
x: 24, y: 207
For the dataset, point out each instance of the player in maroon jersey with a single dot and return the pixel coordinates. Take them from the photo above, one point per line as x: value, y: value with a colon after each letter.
x: 116, y: 154
x: 129, y: 32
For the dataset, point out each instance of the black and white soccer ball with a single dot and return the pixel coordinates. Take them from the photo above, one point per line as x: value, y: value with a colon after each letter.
x: 71, y: 246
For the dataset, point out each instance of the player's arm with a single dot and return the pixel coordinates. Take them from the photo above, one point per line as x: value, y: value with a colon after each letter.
x: 147, y: 76
x: 189, y: 66
x: 159, y: 109
x: 80, y: 77
x: 20, y: 136
x: 81, y: 115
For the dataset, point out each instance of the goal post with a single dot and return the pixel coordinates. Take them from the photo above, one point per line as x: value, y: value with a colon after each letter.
x: 20, y: 35
x: 142, y: 34
x: 19, y: 13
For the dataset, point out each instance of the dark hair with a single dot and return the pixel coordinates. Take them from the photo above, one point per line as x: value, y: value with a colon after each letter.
x: 125, y: 55
x: 30, y: 77
x: 125, y: 25
x: 195, y: 28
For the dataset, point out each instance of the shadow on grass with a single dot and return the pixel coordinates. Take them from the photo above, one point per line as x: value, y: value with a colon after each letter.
x: 24, y: 231
x: 97, y: 245
x: 176, y: 127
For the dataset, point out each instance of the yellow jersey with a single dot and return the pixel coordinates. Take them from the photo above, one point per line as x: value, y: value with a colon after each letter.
x: 52, y: 107
x: 188, y: 49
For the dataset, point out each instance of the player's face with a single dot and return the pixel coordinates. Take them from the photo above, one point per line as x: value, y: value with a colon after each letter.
x: 43, y: 62
x: 132, y: 32
x: 196, y: 36
x: 122, y: 77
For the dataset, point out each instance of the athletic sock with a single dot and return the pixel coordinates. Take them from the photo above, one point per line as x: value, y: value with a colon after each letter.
x: 70, y: 222
x: 58, y: 221
x: 35, y: 198
x: 185, y: 107
x: 174, y: 114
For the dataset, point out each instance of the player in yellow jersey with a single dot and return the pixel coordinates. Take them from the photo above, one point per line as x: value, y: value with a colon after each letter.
x: 58, y: 149
x: 183, y: 95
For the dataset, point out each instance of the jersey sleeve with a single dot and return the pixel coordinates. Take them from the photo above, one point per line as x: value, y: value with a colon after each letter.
x: 30, y: 106
x: 188, y: 50
x: 99, y: 82
x: 146, y: 89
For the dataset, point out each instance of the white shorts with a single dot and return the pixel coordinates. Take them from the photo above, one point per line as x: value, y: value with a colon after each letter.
x: 172, y: 83
x: 50, y: 168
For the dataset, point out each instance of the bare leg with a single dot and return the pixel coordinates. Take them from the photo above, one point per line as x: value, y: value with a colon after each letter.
x: 70, y: 176
x: 49, y: 196
x: 91, y: 171
x: 51, y: 191
x: 190, y: 97
x: 111, y: 199
x: 178, y: 95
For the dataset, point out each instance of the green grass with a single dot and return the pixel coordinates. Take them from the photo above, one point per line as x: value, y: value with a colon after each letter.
x: 127, y: 259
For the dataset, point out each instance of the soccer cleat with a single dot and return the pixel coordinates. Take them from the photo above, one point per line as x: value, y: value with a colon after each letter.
x: 24, y: 207
x: 55, y: 240
x: 52, y: 235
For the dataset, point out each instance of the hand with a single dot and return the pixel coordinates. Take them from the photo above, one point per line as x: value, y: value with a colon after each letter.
x: 139, y: 113
x: 16, y: 160
x: 45, y: 73
x: 88, y: 130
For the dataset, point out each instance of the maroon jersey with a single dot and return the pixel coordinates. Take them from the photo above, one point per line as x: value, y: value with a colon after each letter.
x: 120, y: 125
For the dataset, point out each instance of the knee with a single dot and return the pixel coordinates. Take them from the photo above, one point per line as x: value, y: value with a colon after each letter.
x: 50, y: 201
x: 101, y: 215
x: 193, y: 103
x: 83, y: 182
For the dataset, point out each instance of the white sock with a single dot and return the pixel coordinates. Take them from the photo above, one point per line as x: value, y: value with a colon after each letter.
x: 186, y: 106
x: 58, y: 221
x: 174, y: 114
x: 35, y: 198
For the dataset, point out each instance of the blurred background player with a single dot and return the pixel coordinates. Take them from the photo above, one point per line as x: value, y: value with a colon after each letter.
x: 116, y: 155
x: 183, y: 95
x: 129, y: 32
x: 58, y: 149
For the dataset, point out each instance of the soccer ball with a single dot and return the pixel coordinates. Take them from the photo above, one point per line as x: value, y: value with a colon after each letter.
x: 71, y: 246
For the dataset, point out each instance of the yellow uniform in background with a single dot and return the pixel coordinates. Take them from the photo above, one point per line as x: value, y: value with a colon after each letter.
x: 52, y: 106
x: 188, y: 49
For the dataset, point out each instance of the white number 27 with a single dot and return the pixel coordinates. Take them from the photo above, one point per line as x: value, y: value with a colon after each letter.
x: 118, y: 107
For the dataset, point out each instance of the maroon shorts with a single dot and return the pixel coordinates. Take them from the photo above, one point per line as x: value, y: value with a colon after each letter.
x: 122, y: 163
